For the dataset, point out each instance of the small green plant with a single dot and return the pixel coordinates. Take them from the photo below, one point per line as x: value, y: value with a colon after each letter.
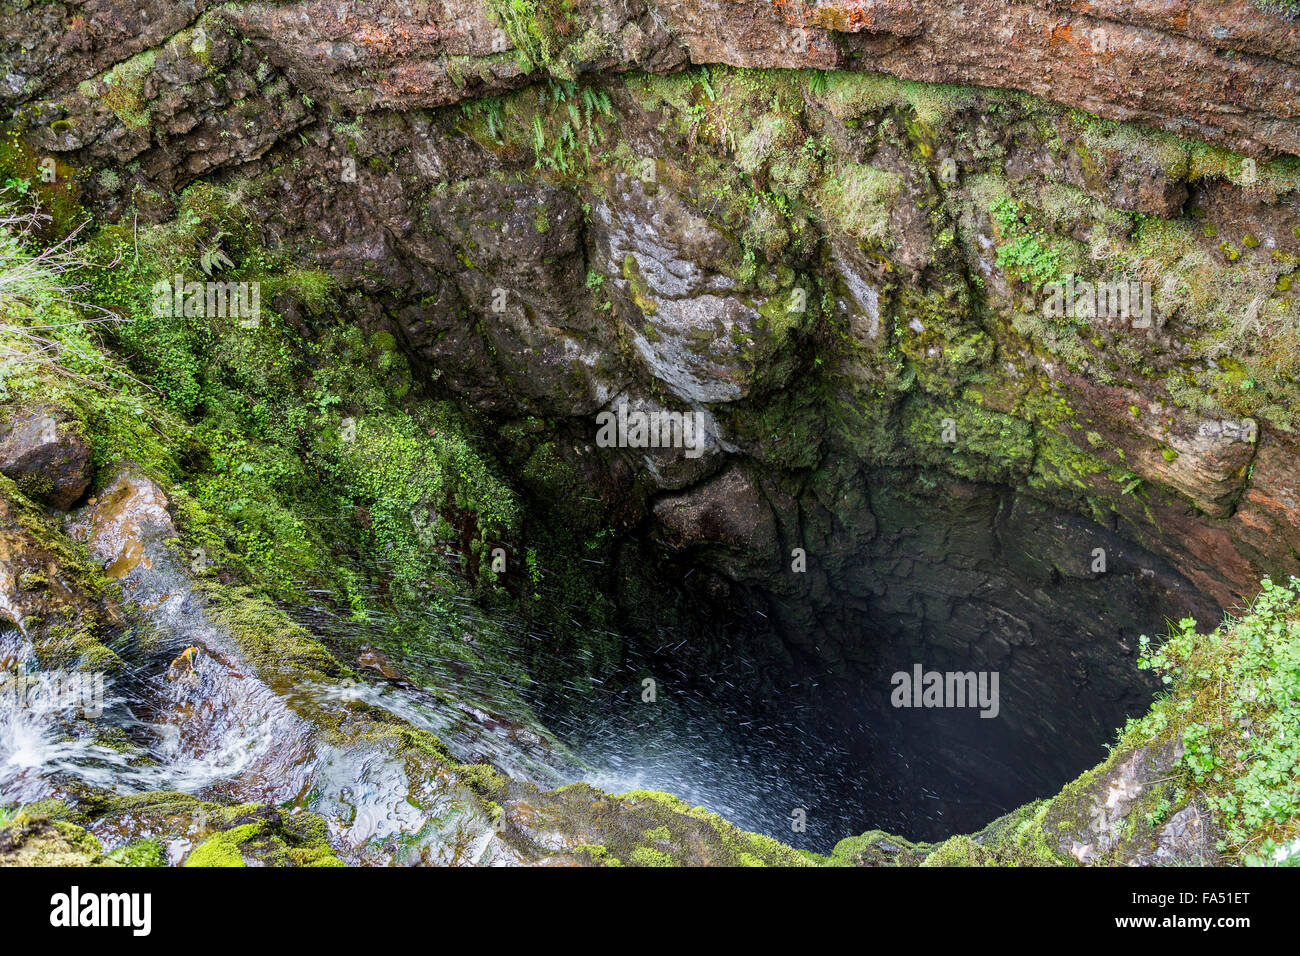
x: 213, y: 258
x: 534, y: 572
x: 1159, y: 813
x: 564, y: 125
x: 1274, y: 854
x: 1198, y: 752
x: 490, y: 112
x: 1234, y: 702
x: 1130, y: 483
x: 530, y: 33
x: 1023, y: 250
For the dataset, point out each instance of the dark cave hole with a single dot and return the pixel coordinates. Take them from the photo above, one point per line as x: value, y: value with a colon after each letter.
x: 779, y: 713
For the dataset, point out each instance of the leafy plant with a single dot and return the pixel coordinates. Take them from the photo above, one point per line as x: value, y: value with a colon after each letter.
x: 1235, y: 703
x: 1023, y: 250
x: 1130, y: 483
x: 213, y: 258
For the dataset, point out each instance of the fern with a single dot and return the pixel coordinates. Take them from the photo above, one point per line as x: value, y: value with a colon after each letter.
x: 539, y: 139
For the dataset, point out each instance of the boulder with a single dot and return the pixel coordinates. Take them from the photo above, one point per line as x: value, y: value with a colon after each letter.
x: 44, y: 452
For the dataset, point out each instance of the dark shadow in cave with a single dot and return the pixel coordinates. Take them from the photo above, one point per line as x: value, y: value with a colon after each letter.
x: 774, y: 705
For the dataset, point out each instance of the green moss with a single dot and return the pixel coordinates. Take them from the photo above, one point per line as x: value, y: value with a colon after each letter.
x: 24, y: 172
x: 642, y: 295
x: 645, y: 856
x: 122, y: 89
x: 647, y: 828
x: 283, y: 652
x: 956, y: 851
x: 223, y: 849
x: 147, y: 852
x: 297, y: 844
x: 877, y: 848
x: 34, y: 837
x: 595, y: 851
x: 986, y: 445
x: 852, y: 95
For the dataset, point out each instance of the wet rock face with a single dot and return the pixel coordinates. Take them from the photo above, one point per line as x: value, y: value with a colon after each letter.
x: 128, y: 525
x: 512, y: 253
x: 443, y: 52
x: 43, y: 450
x: 47, y: 595
x: 727, y: 512
x: 690, y: 325
x: 55, y: 47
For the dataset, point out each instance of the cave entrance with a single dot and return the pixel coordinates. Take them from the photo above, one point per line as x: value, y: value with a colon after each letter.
x: 786, y: 714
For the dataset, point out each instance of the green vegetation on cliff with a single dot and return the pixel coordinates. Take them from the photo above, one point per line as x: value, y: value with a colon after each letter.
x: 1234, y: 706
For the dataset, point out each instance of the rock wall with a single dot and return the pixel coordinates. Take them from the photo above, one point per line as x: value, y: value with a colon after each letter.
x: 1221, y: 71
